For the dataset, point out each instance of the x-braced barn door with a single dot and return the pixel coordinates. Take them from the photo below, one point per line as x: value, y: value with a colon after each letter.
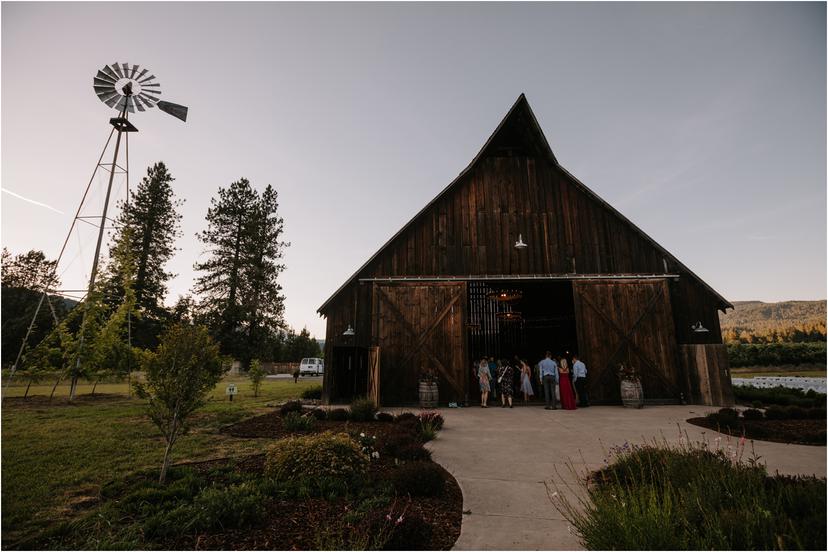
x: 629, y: 322
x: 419, y: 329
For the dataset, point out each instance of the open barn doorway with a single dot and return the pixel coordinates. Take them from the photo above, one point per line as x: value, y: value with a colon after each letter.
x: 520, y: 318
x: 349, y: 373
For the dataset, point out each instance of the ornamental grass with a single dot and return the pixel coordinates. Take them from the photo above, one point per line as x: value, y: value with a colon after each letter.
x: 692, y: 496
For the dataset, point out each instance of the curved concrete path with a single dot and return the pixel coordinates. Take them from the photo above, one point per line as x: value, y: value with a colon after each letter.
x: 502, y: 459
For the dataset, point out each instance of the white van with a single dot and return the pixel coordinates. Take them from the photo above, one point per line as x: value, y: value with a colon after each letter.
x: 312, y: 367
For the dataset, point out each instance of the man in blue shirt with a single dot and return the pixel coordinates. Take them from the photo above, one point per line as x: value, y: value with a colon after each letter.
x: 549, y: 379
x: 579, y: 375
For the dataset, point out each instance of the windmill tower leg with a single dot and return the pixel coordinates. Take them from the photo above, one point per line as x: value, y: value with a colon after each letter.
x: 93, y: 275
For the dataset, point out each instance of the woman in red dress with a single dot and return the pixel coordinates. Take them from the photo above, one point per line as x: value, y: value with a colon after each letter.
x: 567, y: 395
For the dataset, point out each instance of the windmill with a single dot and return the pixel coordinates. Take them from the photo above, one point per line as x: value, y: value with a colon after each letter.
x: 127, y: 89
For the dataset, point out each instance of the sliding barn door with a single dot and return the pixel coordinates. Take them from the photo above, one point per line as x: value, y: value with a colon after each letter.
x: 419, y: 328
x: 629, y: 322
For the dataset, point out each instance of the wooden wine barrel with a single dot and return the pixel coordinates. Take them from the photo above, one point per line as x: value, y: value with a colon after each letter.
x: 428, y: 395
x: 632, y: 395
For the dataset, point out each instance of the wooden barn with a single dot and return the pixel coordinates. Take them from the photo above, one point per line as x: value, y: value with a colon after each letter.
x: 514, y: 257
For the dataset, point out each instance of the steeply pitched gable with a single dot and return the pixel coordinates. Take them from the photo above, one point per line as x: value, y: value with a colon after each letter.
x: 520, y: 135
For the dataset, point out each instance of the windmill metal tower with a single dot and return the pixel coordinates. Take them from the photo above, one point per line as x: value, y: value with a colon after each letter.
x: 125, y: 88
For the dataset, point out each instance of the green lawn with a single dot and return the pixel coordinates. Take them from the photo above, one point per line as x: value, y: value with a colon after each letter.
x: 53, y: 455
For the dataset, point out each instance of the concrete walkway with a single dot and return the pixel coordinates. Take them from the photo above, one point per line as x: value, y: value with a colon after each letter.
x: 502, y: 457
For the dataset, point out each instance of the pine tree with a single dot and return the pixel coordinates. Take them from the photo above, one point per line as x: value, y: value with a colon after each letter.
x: 149, y: 224
x: 241, y: 298
x: 264, y: 302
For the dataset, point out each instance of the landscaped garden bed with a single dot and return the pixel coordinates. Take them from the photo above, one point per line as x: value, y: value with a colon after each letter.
x: 694, y: 497
x: 784, y: 430
x: 332, y: 484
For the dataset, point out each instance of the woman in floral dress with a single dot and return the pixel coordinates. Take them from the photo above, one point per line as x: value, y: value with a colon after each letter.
x: 506, y: 379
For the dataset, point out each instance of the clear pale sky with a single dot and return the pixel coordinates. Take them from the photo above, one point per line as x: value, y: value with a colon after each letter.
x: 705, y: 124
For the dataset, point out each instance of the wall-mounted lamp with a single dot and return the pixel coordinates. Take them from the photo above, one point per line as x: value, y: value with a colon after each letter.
x: 520, y: 244
x: 698, y: 328
x: 350, y: 331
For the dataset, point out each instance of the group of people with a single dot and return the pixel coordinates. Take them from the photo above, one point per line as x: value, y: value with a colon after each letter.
x: 552, y: 375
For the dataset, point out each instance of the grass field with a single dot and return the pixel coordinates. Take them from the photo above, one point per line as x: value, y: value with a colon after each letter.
x: 55, y: 455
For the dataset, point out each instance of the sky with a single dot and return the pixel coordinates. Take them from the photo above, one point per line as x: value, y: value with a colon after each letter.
x: 705, y: 124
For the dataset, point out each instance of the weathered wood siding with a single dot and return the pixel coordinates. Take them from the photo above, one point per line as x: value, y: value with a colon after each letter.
x: 472, y: 229
x: 629, y: 322
x: 419, y: 329
x: 708, y: 374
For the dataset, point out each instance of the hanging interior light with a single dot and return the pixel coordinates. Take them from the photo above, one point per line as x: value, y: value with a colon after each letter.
x: 505, y: 295
x: 512, y: 316
x: 349, y: 331
x: 520, y: 244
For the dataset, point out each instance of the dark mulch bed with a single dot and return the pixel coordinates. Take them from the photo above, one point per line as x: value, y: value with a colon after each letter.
x: 800, y: 432
x: 290, y: 522
x: 270, y: 426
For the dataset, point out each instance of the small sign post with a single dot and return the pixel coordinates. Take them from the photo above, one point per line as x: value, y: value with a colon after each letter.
x: 231, y: 390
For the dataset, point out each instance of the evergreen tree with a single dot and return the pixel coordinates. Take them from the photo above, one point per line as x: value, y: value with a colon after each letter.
x: 149, y: 224
x: 263, y: 300
x: 240, y: 294
x: 24, y: 278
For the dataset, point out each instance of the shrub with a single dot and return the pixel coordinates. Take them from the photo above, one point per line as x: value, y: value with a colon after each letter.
x: 316, y: 456
x: 385, y: 417
x: 408, y: 423
x: 363, y: 410
x: 433, y: 418
x: 752, y: 414
x: 728, y: 412
x: 757, y: 404
x: 418, y: 479
x: 413, y: 533
x: 776, y: 412
x: 783, y: 396
x: 816, y: 413
x: 290, y: 406
x: 725, y: 421
x: 319, y: 413
x: 294, y: 421
x: 338, y: 415
x: 687, y: 498
x: 427, y: 431
x: 403, y: 416
x: 796, y: 413
x: 312, y: 392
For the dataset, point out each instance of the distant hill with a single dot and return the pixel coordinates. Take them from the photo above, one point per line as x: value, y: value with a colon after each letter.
x: 762, y: 319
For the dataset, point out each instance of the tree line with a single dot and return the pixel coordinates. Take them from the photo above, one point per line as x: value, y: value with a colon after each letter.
x: 794, y: 333
x: 237, y: 296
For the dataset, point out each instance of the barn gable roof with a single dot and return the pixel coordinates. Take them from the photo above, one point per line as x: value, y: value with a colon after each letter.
x: 521, y: 126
